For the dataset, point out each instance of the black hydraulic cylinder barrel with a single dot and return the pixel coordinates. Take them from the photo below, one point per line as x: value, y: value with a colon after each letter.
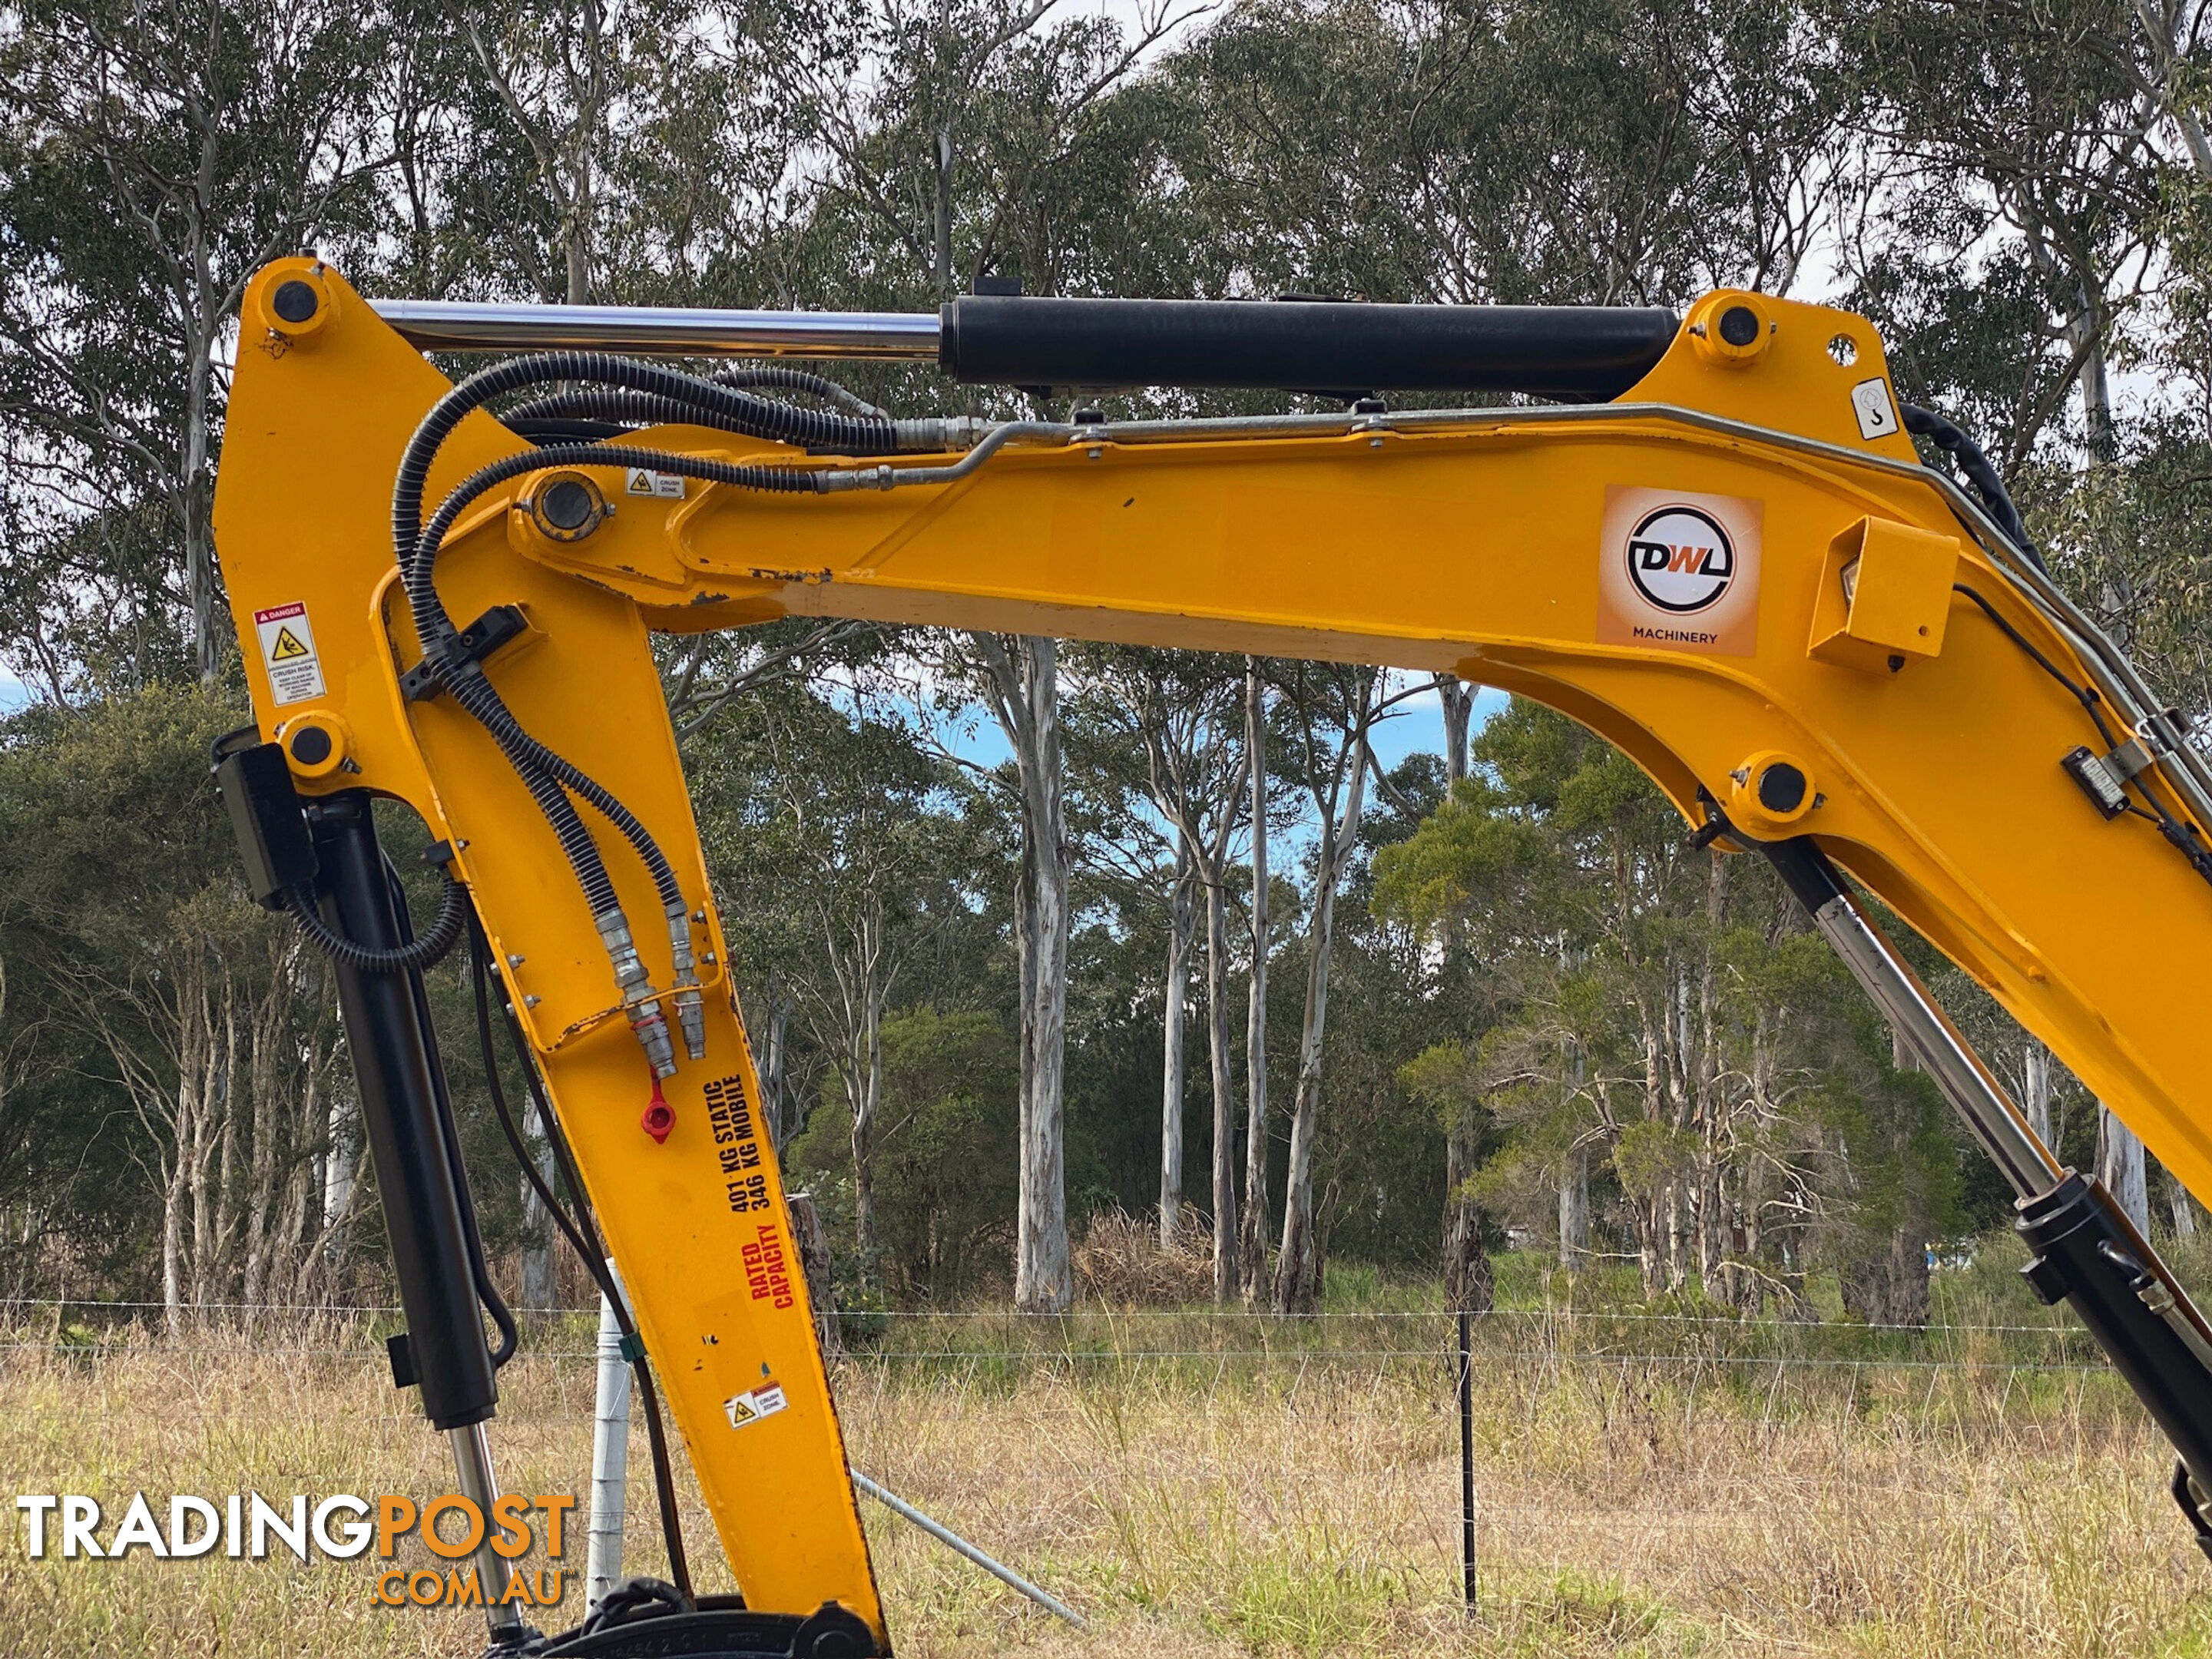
x: 1324, y: 346
x: 2087, y: 1252
x: 394, y: 1062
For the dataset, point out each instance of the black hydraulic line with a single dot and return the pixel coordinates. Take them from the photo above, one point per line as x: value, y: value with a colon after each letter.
x: 417, y: 1182
x: 2176, y: 833
x: 1567, y: 351
x: 761, y: 419
x: 1980, y: 472
x: 2085, y: 695
x: 565, y: 432
x: 582, y: 1235
x: 601, y: 403
x: 551, y: 777
x: 502, y: 1316
x: 480, y: 970
x: 417, y: 953
x: 783, y: 377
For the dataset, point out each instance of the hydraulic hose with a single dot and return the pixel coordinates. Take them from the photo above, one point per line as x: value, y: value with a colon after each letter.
x: 552, y: 778
x: 598, y: 403
x: 628, y: 389
x: 1980, y: 472
x: 502, y: 1316
x: 784, y: 377
x: 758, y: 417
x: 423, y: 952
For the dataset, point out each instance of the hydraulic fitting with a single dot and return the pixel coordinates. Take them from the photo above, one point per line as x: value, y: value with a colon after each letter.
x: 691, y: 1006
x: 639, y: 1000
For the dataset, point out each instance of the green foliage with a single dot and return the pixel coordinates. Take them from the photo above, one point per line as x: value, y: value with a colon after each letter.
x: 945, y: 1160
x: 1535, y: 984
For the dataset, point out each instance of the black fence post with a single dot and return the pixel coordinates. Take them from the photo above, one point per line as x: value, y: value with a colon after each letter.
x: 1467, y: 1456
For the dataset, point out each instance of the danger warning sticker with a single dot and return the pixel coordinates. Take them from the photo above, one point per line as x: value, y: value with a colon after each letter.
x: 766, y: 1400
x: 288, y: 650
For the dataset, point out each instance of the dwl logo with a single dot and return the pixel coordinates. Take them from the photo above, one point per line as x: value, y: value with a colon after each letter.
x: 1680, y: 559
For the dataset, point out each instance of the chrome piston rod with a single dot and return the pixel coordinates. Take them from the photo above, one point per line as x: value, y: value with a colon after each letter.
x: 471, y: 1449
x: 496, y: 325
x: 1918, y: 1020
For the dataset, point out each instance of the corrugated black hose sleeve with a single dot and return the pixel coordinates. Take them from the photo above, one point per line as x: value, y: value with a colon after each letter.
x: 549, y: 774
x: 1980, y: 472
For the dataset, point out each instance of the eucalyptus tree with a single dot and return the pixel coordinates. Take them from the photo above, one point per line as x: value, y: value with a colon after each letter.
x: 152, y: 157
x: 839, y: 850
x: 1335, y: 710
x: 1185, y: 712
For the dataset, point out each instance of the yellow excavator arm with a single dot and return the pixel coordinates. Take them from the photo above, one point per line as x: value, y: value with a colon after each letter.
x: 1736, y: 570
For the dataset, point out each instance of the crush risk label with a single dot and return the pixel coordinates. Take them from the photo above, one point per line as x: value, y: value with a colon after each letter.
x: 288, y: 651
x: 1679, y: 572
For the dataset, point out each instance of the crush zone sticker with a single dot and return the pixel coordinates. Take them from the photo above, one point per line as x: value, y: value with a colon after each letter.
x: 288, y: 651
x: 751, y: 1406
x: 1679, y: 572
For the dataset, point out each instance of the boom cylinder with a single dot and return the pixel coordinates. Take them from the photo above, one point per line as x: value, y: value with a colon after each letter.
x: 415, y: 1180
x: 1323, y: 346
x: 1917, y: 1018
x: 1339, y: 347
x: 2086, y: 1251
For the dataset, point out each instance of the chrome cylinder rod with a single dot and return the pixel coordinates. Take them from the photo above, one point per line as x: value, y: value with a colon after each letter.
x: 496, y: 325
x: 1918, y: 1020
x: 472, y: 1470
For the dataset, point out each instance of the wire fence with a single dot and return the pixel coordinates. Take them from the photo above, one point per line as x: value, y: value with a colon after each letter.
x: 2060, y: 1322
x: 1091, y: 1340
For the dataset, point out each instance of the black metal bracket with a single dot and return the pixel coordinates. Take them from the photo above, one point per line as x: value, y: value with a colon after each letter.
x: 721, y: 1626
x: 265, y: 815
x: 479, y: 640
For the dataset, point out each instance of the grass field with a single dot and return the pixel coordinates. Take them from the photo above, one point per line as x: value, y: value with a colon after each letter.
x: 1649, y: 1485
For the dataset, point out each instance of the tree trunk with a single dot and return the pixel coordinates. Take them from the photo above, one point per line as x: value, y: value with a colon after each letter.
x: 2035, y: 1090
x: 1025, y: 699
x: 341, y: 1166
x: 1574, y: 1211
x: 1891, y: 1288
x: 1225, y: 1089
x: 864, y: 1083
x: 2120, y: 1167
x: 538, y: 1286
x: 773, y: 1111
x: 1182, y: 923
x: 2181, y: 1207
x: 813, y: 1241
x: 1298, y: 1270
x: 1252, y: 1232
x: 1469, y: 1287
x: 2096, y: 380
x: 1457, y: 698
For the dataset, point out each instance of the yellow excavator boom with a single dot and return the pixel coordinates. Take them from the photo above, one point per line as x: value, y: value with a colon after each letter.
x: 1738, y: 571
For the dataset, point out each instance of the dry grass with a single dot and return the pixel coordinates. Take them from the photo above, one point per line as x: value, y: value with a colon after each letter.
x: 1119, y: 1263
x: 1194, y: 1507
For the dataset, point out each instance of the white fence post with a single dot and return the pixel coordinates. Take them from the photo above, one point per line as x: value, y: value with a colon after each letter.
x: 610, y: 1462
